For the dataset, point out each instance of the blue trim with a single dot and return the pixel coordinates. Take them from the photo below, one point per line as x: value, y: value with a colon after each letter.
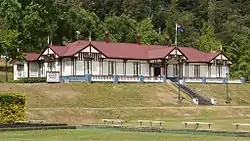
x: 164, y: 78
x: 141, y: 78
x: 243, y: 81
x: 116, y: 78
x: 204, y: 79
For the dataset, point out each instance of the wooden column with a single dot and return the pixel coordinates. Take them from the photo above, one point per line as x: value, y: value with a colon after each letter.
x: 166, y: 70
x: 163, y: 66
x: 149, y: 68
x: 28, y: 66
x: 60, y: 60
x: 125, y: 67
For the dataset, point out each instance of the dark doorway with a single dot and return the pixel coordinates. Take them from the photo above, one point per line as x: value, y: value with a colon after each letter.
x: 157, y: 71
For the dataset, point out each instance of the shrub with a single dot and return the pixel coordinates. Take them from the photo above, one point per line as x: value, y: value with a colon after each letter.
x: 30, y: 80
x: 12, y: 107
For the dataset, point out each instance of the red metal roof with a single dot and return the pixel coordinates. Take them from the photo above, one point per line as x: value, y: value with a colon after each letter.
x: 32, y: 56
x: 195, y: 55
x: 128, y: 51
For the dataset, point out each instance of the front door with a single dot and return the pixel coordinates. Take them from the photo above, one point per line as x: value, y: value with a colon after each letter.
x: 157, y: 71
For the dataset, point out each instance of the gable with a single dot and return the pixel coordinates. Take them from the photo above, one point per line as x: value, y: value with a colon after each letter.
x: 177, y: 52
x: 221, y: 57
x: 90, y: 49
x: 47, y: 52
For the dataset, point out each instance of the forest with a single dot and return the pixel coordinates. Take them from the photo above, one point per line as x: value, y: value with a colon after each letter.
x: 209, y: 25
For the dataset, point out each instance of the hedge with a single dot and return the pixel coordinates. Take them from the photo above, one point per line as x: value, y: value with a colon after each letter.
x: 12, y: 107
x: 30, y: 80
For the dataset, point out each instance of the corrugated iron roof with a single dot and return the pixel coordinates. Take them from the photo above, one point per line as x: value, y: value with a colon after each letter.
x: 31, y: 56
x: 128, y: 51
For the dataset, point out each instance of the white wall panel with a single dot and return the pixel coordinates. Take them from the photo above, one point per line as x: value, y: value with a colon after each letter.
x: 213, y: 71
x: 79, y: 67
x: 33, y: 67
x: 67, y: 66
x: 105, y: 68
x: 119, y: 68
x: 95, y: 68
x: 130, y: 68
x: 203, y: 70
x: 145, y: 69
x: 170, y: 70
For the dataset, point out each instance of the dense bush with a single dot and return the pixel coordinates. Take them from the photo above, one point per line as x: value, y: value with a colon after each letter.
x: 12, y: 107
x: 30, y: 80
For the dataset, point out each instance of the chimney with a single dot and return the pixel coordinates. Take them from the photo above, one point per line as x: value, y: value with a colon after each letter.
x: 107, y: 36
x: 168, y: 40
x: 138, y: 38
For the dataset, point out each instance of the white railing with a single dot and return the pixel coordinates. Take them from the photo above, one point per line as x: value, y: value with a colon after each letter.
x: 152, y: 79
x: 102, y: 78
x: 212, y: 80
x: 128, y: 79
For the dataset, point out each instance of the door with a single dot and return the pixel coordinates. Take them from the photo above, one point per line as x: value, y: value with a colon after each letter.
x: 157, y: 71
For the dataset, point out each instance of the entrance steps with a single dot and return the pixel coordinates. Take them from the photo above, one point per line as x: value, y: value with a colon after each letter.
x: 202, y: 100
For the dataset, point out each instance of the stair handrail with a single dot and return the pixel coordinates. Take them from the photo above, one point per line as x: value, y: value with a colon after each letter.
x: 176, y: 84
x: 198, y: 93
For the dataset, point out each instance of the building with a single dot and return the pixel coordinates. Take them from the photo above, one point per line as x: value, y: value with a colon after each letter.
x: 105, y: 58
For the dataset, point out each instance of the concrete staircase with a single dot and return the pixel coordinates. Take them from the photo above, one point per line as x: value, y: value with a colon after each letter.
x: 202, y: 100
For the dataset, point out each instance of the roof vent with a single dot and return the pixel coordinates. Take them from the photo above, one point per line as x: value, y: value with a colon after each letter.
x: 138, y: 38
x: 107, y: 36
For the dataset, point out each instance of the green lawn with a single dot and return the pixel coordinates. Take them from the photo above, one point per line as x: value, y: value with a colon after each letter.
x: 107, y: 135
x: 222, y: 117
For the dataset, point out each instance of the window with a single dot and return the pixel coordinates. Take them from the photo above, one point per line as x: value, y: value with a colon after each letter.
x: 111, y: 68
x: 196, y: 70
x: 137, y: 68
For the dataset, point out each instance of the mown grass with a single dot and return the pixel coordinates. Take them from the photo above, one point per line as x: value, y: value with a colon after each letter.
x: 222, y: 117
x: 239, y: 93
x: 107, y: 135
x: 85, y: 103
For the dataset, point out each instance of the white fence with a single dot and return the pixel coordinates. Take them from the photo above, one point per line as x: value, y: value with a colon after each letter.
x: 212, y: 80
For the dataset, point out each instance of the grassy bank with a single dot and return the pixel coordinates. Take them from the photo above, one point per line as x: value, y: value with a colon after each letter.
x: 84, y: 103
x: 97, y: 95
x: 239, y: 93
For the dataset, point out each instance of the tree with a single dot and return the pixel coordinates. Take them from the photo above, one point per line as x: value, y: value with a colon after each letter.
x: 10, y: 11
x: 207, y: 42
x: 121, y: 29
x: 9, y: 43
x: 239, y: 53
x: 147, y: 32
x: 77, y: 19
